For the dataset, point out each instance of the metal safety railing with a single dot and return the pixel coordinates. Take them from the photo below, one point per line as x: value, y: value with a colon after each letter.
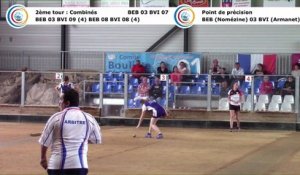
x: 265, y: 93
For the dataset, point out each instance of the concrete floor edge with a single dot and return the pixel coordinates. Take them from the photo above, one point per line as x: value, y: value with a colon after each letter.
x: 181, y: 123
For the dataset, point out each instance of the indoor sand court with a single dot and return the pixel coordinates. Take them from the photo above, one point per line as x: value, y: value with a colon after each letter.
x: 183, y: 151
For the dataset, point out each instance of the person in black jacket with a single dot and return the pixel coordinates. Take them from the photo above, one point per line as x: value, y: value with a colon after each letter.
x: 162, y: 69
x: 156, y: 90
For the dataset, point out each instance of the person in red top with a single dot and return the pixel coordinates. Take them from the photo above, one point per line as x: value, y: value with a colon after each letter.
x: 137, y: 70
x: 175, y: 76
x: 266, y: 86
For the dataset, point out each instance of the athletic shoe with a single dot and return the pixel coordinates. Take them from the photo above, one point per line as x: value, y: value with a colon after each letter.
x: 230, y: 130
x: 148, y: 135
x: 160, y: 136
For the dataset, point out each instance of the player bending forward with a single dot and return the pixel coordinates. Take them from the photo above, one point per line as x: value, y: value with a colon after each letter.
x: 158, y: 112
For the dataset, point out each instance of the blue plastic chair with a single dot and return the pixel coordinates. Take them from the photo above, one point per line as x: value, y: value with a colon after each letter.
x: 134, y: 82
x: 120, y: 76
x: 257, y: 83
x: 114, y: 82
x: 164, y: 90
x: 130, y: 103
x: 138, y: 104
x: 162, y: 102
x: 213, y: 83
x: 108, y: 76
x: 246, y: 90
x: 246, y: 85
x: 203, y: 77
x: 196, y: 89
x: 256, y: 91
x: 119, y: 89
x: 173, y: 89
x: 96, y: 87
x: 107, y: 88
x: 281, y: 83
x: 203, y: 83
x: 216, y: 90
x: 204, y: 90
x: 130, y: 88
x: 185, y: 90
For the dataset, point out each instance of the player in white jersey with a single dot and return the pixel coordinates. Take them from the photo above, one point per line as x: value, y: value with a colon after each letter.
x: 234, y: 99
x: 68, y: 133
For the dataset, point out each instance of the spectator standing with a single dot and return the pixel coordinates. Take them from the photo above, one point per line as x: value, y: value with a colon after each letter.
x: 289, y: 87
x: 162, y: 69
x: 266, y: 87
x: 156, y: 91
x: 138, y: 69
x: 296, y: 71
x: 175, y: 76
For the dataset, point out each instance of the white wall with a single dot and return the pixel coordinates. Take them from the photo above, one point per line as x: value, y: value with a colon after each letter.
x: 248, y: 39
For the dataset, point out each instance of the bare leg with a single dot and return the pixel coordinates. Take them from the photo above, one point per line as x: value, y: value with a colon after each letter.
x: 232, y: 114
x: 153, y: 124
x: 237, y: 119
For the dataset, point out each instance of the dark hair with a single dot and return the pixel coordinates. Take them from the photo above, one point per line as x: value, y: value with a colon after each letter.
x: 71, y: 96
x: 235, y: 81
x: 66, y: 78
x: 237, y: 63
x: 174, y: 68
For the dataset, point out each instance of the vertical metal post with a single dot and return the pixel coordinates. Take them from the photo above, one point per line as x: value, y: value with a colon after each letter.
x: 63, y: 47
x: 0, y: 10
x: 84, y: 90
x: 101, y: 91
x: 209, y: 89
x: 297, y: 95
x: 186, y: 40
x: 297, y: 100
x: 252, y: 93
x: 22, y: 89
x: 167, y: 92
x: 125, y: 91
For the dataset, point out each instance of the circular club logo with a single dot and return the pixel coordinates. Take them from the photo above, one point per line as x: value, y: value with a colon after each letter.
x: 17, y: 16
x: 184, y: 16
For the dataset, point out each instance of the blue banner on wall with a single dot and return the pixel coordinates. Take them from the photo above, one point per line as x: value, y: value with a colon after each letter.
x: 123, y: 61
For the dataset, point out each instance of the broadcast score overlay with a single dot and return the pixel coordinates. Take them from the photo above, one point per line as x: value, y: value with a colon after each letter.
x: 183, y: 16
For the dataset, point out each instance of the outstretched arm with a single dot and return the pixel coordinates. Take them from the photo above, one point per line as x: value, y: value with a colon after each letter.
x: 141, y: 119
